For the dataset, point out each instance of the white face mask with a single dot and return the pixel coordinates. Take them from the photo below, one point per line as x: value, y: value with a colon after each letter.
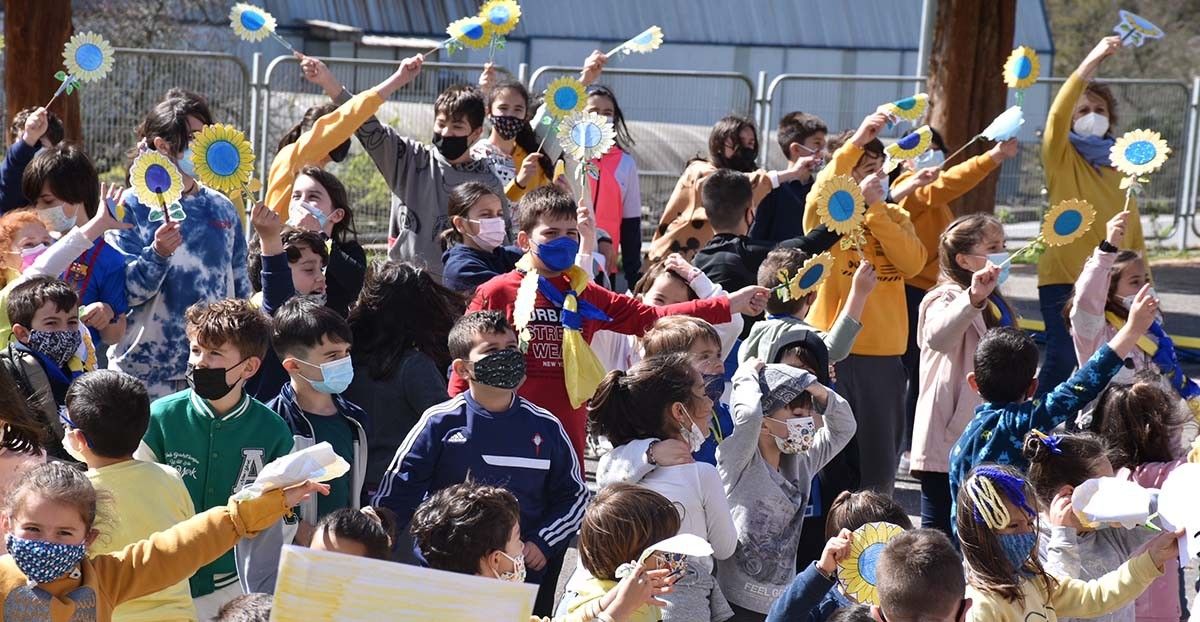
x: 1128, y: 300
x: 517, y: 574
x: 1091, y: 124
x: 883, y: 187
x: 799, y: 437
x: 814, y: 152
x: 692, y: 434
x: 491, y: 233
x: 58, y: 219
x: 298, y: 210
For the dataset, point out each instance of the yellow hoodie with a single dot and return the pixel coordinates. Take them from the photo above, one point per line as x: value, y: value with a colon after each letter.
x: 892, y: 247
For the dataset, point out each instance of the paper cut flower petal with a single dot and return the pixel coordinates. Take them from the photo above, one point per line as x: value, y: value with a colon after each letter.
x: 564, y: 96
x: 838, y: 201
x: 223, y: 158
x: 501, y: 15
x: 1067, y: 221
x: 1006, y: 125
x: 910, y: 108
x: 807, y: 278
x: 910, y: 146
x: 1022, y: 68
x: 649, y: 40
x: 251, y: 23
x: 88, y: 56
x: 1139, y: 152
x: 155, y: 180
x: 585, y: 136
x: 1136, y: 30
x: 857, y: 572
x: 2, y: 43
x: 472, y: 32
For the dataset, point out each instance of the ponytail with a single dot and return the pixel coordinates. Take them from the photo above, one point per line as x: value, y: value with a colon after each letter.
x: 1059, y: 460
x: 633, y: 405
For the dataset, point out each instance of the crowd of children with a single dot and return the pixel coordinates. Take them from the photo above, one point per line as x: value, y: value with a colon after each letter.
x: 152, y: 368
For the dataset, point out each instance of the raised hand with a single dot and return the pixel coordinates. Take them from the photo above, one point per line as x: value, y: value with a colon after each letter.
x: 1116, y: 228
x: 869, y: 128
x: 983, y: 283
x: 167, y: 239
x: 36, y: 125
x: 1005, y: 150
x: 319, y: 74
x: 592, y: 67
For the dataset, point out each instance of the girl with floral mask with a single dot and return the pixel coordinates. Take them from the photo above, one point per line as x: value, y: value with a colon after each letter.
x: 663, y: 398
x: 997, y: 522
x: 474, y: 245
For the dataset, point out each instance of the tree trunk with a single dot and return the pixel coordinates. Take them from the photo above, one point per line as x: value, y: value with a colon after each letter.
x: 35, y: 32
x: 971, y: 40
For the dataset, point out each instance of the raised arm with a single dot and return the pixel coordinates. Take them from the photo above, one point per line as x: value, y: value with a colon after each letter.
x: 1091, y: 290
x: 737, y: 450
x: 1055, y: 137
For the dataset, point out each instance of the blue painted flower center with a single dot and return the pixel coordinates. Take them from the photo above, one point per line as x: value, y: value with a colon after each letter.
x: 1140, y: 152
x: 908, y: 103
x: 473, y: 31
x: 89, y: 57
x: 499, y: 15
x: 811, y: 277
x: 1024, y: 67
x: 910, y: 141
x: 253, y: 20
x: 223, y: 158
x: 566, y: 98
x: 1068, y: 222
x: 158, y: 180
x: 586, y: 135
x: 646, y: 38
x: 841, y: 206
x: 867, y: 561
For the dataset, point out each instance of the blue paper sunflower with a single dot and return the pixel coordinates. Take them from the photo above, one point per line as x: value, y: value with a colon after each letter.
x: 251, y: 23
x: 911, y: 145
x: 88, y: 57
x: 857, y: 573
x: 806, y: 279
x: 1022, y: 68
x: 1139, y: 152
x: 910, y: 108
x: 1067, y: 222
x: 501, y: 15
x: 222, y: 157
x: 564, y: 96
x: 155, y: 180
x: 1136, y: 30
x: 473, y: 32
x: 838, y: 201
x: 586, y: 136
x: 649, y: 40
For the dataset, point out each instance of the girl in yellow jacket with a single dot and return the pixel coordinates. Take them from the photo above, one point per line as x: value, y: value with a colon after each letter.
x: 997, y: 527
x: 50, y: 520
x: 1075, y: 146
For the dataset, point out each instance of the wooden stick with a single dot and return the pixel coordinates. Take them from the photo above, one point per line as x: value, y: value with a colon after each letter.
x: 163, y: 203
x: 960, y: 150
x: 1128, y: 191
x: 1017, y: 252
x: 284, y: 42
x: 61, y: 89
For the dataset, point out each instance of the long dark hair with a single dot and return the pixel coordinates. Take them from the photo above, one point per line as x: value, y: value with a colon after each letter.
x: 526, y: 139
x: 21, y: 429
x: 343, y: 231
x: 624, y: 140
x: 310, y: 118
x: 634, y: 404
x: 728, y: 129
x: 399, y: 308
x: 166, y: 120
x: 1140, y: 421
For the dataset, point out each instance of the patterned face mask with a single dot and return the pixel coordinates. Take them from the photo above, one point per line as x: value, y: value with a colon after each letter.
x: 507, y: 127
x: 57, y: 345
x: 517, y: 574
x: 44, y: 561
x: 504, y: 369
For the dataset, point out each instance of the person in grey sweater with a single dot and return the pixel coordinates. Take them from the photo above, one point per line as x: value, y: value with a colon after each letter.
x: 767, y: 466
x: 421, y: 176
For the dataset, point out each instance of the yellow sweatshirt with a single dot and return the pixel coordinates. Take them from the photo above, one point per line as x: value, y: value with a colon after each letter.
x: 892, y: 247
x: 929, y: 209
x: 1069, y: 176
x: 1072, y: 598
x: 326, y: 134
x: 141, y: 568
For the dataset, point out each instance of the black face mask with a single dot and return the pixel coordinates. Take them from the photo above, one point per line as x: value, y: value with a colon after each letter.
x: 743, y: 159
x: 209, y: 382
x: 504, y: 369
x: 451, y: 147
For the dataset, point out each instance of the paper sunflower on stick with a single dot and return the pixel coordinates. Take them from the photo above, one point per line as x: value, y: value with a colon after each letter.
x: 838, y: 201
x: 157, y: 184
x: 857, y: 572
x: 806, y: 279
x: 564, y: 96
x: 649, y: 40
x: 1063, y: 224
x: 253, y: 24
x: 907, y: 148
x: 1137, y: 154
x: 224, y: 161
x: 88, y: 57
x: 499, y: 18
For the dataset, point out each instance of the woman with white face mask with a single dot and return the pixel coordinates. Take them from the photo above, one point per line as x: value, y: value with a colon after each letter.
x: 1080, y: 131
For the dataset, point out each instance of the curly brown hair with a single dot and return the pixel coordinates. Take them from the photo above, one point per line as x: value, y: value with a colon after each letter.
x: 460, y: 525
x: 213, y: 324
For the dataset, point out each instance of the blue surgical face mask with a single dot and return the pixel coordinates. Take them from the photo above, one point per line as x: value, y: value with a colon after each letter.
x: 1017, y: 548
x: 1005, y: 268
x: 185, y: 164
x: 558, y: 254
x: 931, y: 158
x: 336, y: 375
x: 43, y: 561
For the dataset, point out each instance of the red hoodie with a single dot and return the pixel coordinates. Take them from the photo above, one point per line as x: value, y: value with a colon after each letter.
x: 544, y: 383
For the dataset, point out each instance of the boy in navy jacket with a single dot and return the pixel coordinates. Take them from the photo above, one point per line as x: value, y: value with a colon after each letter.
x: 495, y: 437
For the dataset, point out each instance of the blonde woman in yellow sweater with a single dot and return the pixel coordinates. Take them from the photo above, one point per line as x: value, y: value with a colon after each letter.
x: 872, y: 377
x: 1075, y: 146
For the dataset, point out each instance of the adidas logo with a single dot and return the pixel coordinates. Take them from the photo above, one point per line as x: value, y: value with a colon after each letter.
x: 458, y: 438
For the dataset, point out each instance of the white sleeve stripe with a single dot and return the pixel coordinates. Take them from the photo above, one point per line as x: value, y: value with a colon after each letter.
x: 392, y: 472
x: 567, y: 524
x: 553, y: 535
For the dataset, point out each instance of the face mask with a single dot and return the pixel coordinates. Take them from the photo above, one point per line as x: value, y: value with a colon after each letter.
x: 336, y: 375
x: 799, y: 437
x: 58, y: 219
x: 1005, y: 268
x: 743, y: 159
x: 297, y: 212
x: 57, y: 345
x: 451, y: 147
x: 517, y: 574
x: 1017, y: 547
x: 1128, y: 300
x: 209, y: 382
x: 43, y: 561
x: 30, y: 255
x: 558, y: 254
x: 883, y: 187
x: 931, y: 158
x: 812, y: 152
x: 692, y: 434
x: 507, y: 127
x: 714, y: 386
x: 491, y: 233
x: 504, y: 369
x: 1091, y: 124
x: 185, y: 164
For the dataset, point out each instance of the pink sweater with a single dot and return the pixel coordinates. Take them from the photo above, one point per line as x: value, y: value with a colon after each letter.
x: 949, y: 328
x: 1160, y: 601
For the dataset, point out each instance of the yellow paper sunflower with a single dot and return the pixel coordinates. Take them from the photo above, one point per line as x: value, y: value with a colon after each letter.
x: 223, y: 158
x: 910, y: 146
x: 806, y: 279
x: 857, y: 572
x: 586, y: 136
x: 1067, y: 221
x: 1139, y: 152
x: 649, y: 40
x: 1022, y: 68
x: 501, y: 15
x: 88, y: 56
x: 910, y: 108
x: 564, y: 96
x: 250, y: 22
x: 473, y: 32
x: 155, y: 179
x: 838, y: 198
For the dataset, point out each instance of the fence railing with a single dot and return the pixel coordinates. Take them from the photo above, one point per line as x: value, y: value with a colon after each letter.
x: 669, y: 114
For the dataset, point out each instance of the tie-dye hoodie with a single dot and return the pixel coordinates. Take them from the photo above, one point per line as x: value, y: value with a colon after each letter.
x: 209, y: 265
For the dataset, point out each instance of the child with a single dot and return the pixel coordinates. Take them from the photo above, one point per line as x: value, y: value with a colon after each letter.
x: 784, y: 318
x: 780, y: 215
x: 767, y: 471
x: 368, y: 532
x: 1005, y: 364
x: 920, y: 578
x: 174, y: 264
x: 997, y: 521
x: 511, y: 150
x: 617, y: 193
x: 475, y: 529
x: 952, y: 319
x: 548, y: 221
x: 58, y: 498
x: 214, y: 433
x: 313, y: 342
x: 254, y: 607
x: 323, y: 206
x: 491, y: 434
x: 872, y: 376
x: 22, y: 445
x: 663, y: 397
x: 43, y: 357
x: 32, y: 129
x: 474, y: 243
x: 107, y: 413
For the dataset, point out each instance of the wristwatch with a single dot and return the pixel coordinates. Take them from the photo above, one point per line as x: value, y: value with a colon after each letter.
x: 1105, y: 247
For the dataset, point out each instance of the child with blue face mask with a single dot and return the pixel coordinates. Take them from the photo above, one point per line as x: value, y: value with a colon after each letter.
x: 997, y: 529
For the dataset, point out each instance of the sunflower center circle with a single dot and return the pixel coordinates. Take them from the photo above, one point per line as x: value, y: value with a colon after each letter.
x: 158, y: 180
x: 841, y: 206
x: 473, y: 31
x: 1068, y: 222
x: 908, y: 103
x: 646, y: 38
x: 910, y: 141
x: 867, y: 561
x: 253, y: 20
x: 223, y: 158
x: 89, y: 57
x: 1140, y: 152
x: 810, y: 278
x: 586, y: 134
x: 566, y: 99
x: 499, y: 15
x: 1024, y: 67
